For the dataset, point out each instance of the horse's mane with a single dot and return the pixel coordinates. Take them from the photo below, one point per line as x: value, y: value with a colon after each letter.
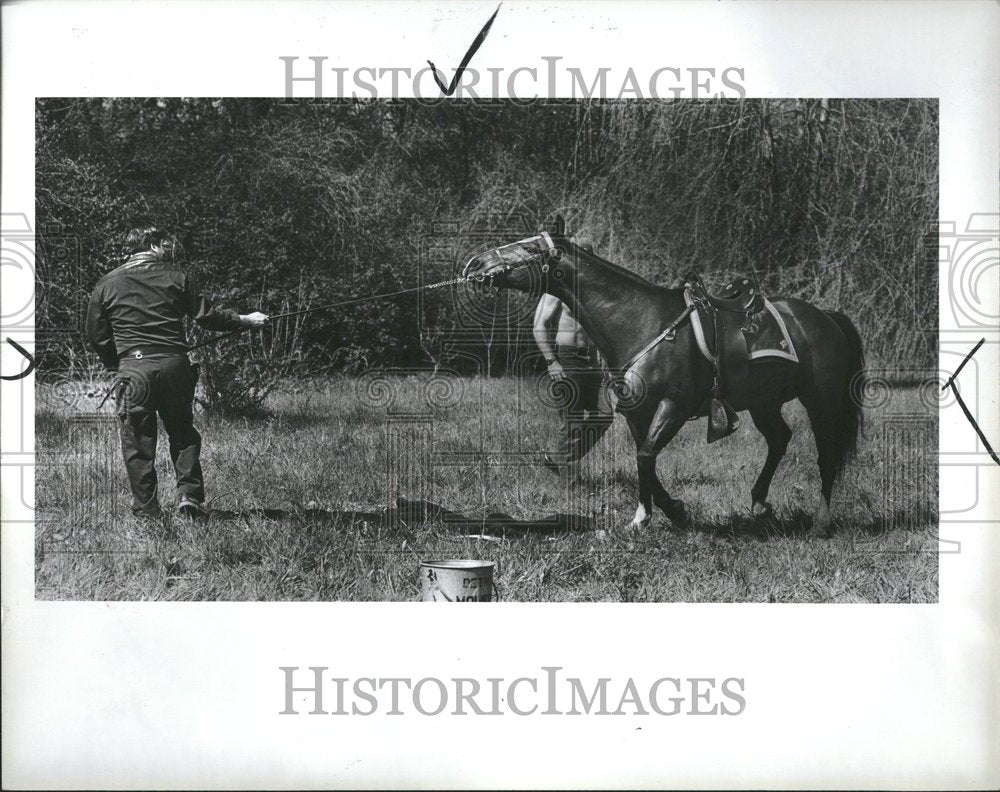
x: 617, y: 269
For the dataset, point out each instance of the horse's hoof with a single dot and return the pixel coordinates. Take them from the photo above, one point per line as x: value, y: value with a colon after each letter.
x: 638, y: 525
x: 678, y: 515
x: 821, y: 530
x: 822, y: 523
x: 762, y: 509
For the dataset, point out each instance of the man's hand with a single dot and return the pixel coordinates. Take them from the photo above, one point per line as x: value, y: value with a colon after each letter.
x: 556, y: 372
x: 256, y: 319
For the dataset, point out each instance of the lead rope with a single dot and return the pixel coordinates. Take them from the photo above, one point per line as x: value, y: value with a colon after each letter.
x: 330, y: 306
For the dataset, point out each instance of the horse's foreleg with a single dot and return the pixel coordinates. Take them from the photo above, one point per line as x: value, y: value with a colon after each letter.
x: 768, y: 420
x: 639, y: 428
x: 666, y: 422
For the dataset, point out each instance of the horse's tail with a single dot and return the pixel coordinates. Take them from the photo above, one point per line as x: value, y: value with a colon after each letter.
x: 851, y: 418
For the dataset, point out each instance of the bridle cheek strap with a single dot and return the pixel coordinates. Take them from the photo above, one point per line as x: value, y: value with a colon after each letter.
x: 550, y: 246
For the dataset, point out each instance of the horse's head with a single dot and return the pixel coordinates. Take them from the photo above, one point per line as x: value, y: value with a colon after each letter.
x: 524, y: 264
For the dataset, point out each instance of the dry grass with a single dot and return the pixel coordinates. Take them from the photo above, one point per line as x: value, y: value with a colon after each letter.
x: 287, y: 482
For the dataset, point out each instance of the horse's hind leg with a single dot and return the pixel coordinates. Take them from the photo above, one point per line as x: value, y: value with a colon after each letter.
x: 770, y: 423
x: 822, y: 417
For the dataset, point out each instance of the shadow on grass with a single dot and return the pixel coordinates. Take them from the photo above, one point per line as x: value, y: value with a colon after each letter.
x: 350, y: 516
x: 798, y: 523
x: 407, y: 513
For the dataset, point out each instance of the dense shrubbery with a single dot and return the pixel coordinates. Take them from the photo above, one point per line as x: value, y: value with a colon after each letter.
x: 827, y: 200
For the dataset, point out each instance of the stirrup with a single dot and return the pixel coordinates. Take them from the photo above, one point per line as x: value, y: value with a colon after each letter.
x: 722, y: 419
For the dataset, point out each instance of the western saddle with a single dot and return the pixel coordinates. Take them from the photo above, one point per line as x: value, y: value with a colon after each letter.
x: 726, y: 318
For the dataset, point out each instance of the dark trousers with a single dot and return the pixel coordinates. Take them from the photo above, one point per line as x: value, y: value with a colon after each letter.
x: 585, y: 412
x: 163, y: 385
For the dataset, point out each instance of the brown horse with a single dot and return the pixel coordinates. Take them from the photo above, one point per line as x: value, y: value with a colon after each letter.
x: 622, y: 313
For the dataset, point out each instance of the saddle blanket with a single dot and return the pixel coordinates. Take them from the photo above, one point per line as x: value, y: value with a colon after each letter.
x: 767, y: 336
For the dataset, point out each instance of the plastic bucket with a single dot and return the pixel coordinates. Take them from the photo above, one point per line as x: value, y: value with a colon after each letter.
x: 456, y: 580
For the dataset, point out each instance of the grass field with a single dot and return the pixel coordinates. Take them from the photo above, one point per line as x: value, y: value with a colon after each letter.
x: 301, y: 500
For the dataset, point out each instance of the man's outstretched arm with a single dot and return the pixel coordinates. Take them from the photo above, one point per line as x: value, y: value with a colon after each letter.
x: 212, y: 318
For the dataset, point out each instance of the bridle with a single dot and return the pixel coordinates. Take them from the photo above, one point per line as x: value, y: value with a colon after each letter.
x: 505, y: 268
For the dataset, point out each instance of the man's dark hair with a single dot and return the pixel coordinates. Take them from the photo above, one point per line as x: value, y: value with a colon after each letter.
x: 142, y: 239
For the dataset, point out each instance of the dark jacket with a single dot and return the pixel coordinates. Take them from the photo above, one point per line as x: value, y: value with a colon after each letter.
x: 143, y: 303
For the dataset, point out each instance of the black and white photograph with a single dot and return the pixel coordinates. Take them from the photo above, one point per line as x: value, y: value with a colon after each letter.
x: 627, y: 351
x: 666, y: 332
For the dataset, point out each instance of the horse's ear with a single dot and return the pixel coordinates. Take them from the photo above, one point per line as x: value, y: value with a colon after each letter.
x: 559, y: 226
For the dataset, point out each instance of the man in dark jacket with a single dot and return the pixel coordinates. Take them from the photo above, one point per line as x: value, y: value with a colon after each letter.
x: 135, y: 323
